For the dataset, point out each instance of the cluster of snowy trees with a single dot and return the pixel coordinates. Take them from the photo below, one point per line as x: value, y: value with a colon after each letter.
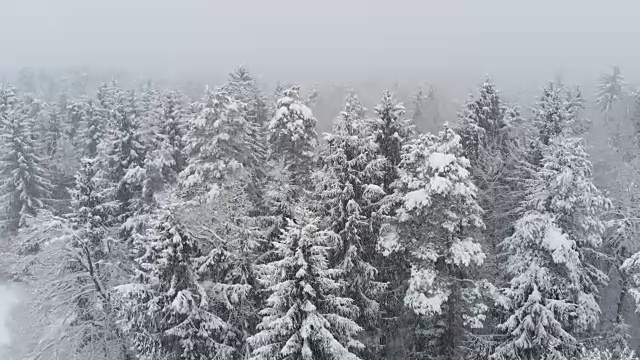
x: 146, y: 225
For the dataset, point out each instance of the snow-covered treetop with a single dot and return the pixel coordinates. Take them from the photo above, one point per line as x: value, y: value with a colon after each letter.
x: 610, y: 89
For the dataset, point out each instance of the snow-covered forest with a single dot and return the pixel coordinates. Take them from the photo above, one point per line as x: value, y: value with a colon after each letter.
x: 146, y: 220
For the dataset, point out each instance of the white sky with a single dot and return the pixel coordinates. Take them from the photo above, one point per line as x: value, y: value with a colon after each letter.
x: 326, y: 39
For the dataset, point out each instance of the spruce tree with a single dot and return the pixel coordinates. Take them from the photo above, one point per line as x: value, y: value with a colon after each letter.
x: 348, y: 188
x: 168, y: 313
x: 551, y: 257
x: 305, y: 317
x: 292, y: 136
x: 24, y: 180
x: 220, y: 142
x: 440, y: 220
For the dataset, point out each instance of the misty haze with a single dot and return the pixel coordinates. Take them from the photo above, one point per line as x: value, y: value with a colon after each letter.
x: 328, y: 180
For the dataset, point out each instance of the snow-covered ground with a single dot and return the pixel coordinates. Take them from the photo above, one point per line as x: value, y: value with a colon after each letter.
x: 7, y: 299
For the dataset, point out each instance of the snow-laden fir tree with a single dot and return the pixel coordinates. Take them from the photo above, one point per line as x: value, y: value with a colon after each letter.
x: 551, y: 258
x: 75, y: 116
x: 440, y: 220
x: 220, y: 142
x: 93, y: 125
x: 484, y: 126
x: 305, y: 317
x: 391, y: 133
x: 76, y: 273
x: 482, y: 122
x: 348, y: 188
x: 167, y: 313
x: 610, y: 90
x: 242, y: 86
x: 162, y: 121
x: 293, y: 137
x: 123, y: 152
x: 232, y: 242
x: 24, y: 181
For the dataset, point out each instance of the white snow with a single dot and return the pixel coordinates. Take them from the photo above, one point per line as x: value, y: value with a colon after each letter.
x: 416, y: 199
x: 466, y: 252
x: 555, y: 239
x: 7, y: 300
x: 439, y: 161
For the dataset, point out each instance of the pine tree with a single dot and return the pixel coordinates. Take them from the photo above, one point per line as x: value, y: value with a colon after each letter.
x: 551, y: 257
x: 292, y: 136
x: 168, y: 314
x: 304, y: 318
x: 440, y: 219
x: 24, y: 181
x: 348, y: 187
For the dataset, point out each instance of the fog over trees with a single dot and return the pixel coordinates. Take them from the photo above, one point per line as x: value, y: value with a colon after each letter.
x: 334, y: 180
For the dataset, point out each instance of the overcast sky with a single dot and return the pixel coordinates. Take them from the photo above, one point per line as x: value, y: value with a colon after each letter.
x: 325, y: 39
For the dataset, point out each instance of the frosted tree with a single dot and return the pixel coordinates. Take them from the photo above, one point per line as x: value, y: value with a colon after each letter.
x: 292, y: 135
x: 243, y: 87
x: 304, y: 317
x: 75, y: 111
x: 598, y: 354
x: 391, y: 132
x: 73, y: 276
x: 440, y: 220
x: 220, y: 142
x: 163, y: 123
x: 312, y: 98
x: 610, y: 90
x: 348, y: 188
x: 169, y: 314
x: 92, y: 126
x: 123, y: 151
x: 483, y: 122
x: 551, y: 257
x: 496, y: 162
x: 24, y: 182
x: 232, y: 240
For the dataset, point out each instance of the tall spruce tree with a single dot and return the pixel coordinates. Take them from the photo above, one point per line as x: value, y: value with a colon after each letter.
x: 348, y: 188
x: 24, y: 179
x: 440, y: 220
x: 305, y: 317
x: 220, y: 142
x: 551, y: 257
x: 167, y: 312
x: 292, y: 136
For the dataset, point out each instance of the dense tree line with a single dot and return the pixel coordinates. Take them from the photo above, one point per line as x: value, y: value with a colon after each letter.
x: 148, y: 225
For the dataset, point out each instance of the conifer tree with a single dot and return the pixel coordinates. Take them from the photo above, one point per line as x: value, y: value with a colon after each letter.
x: 292, y: 136
x: 440, y: 220
x: 220, y: 142
x: 392, y: 132
x: 24, y: 181
x: 242, y: 87
x: 168, y: 313
x: 123, y: 151
x: 305, y: 317
x: 348, y: 188
x: 551, y: 257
